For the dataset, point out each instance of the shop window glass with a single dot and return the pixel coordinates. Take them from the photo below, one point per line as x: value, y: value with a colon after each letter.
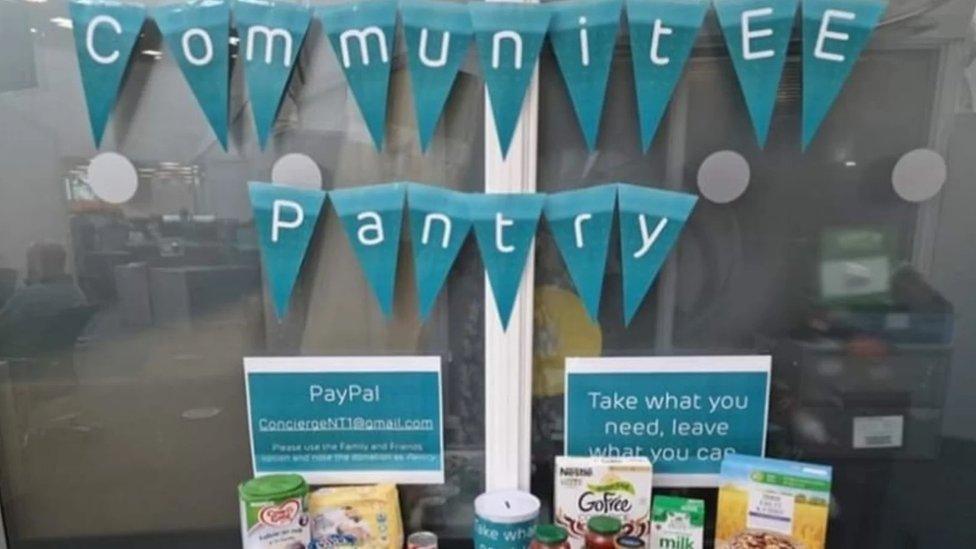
x: 880, y: 333
x: 122, y: 408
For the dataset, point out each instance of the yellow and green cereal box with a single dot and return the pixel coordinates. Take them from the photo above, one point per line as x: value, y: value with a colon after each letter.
x: 772, y: 503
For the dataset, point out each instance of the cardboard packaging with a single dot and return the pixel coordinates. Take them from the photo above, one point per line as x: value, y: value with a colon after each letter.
x: 592, y: 486
x: 677, y: 523
x: 772, y: 503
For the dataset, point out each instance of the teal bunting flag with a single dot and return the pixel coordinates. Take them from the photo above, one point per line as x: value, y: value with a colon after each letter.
x: 363, y: 37
x: 757, y: 33
x: 583, y: 34
x: 662, y: 34
x: 271, y: 35
x: 834, y: 33
x: 372, y: 217
x: 505, y: 225
x: 509, y: 37
x: 285, y: 220
x: 580, y: 222
x: 197, y: 34
x: 437, y: 35
x: 105, y: 33
x: 439, y: 225
x: 650, y: 223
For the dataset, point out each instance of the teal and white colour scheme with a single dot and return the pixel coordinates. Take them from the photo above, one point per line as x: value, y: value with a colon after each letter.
x: 363, y: 35
x: 105, y: 33
x: 347, y: 420
x: 271, y: 35
x: 650, y: 222
x: 285, y: 220
x: 197, y: 34
x: 662, y: 33
x: 757, y: 33
x: 580, y: 223
x: 684, y: 413
x: 371, y: 217
x: 439, y: 225
x: 505, y: 225
x: 505, y: 519
x: 509, y: 37
x: 834, y: 33
x: 583, y: 34
x: 438, y: 35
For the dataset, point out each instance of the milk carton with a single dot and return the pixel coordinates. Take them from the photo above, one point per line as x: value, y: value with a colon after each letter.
x: 677, y: 523
x: 591, y: 486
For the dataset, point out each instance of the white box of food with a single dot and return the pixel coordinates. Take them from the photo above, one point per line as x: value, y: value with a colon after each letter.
x: 591, y: 486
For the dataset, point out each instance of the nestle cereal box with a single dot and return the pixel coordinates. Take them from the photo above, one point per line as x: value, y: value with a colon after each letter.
x: 592, y: 486
x: 771, y: 503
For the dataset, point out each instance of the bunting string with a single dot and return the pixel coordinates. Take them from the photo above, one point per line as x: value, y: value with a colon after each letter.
x: 504, y: 225
x: 508, y: 36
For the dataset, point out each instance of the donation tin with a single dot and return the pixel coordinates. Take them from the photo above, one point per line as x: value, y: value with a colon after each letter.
x: 274, y: 512
x: 505, y: 519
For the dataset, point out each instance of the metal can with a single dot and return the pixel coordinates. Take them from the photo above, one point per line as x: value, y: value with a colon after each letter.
x: 274, y: 513
x: 422, y: 540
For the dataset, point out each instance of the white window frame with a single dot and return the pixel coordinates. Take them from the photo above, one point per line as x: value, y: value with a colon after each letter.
x: 508, y: 353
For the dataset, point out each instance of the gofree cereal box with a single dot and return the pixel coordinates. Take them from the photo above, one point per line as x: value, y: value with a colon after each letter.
x: 591, y: 486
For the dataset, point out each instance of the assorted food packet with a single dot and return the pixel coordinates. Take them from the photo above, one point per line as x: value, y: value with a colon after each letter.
x: 772, y: 504
x: 356, y: 516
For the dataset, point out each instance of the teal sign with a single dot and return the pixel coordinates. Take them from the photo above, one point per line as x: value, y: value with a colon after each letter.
x: 198, y: 35
x: 105, y: 33
x: 362, y: 35
x: 347, y: 420
x: 684, y: 413
x: 757, y: 33
x: 834, y: 33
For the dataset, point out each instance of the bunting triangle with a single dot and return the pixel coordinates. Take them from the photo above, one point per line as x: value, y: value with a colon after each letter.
x: 197, y: 34
x: 105, y: 32
x: 285, y: 219
x: 372, y: 217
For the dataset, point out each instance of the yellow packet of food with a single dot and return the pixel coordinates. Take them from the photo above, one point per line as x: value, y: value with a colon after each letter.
x: 356, y: 516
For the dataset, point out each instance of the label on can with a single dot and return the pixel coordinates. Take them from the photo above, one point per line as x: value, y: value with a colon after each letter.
x: 274, y: 524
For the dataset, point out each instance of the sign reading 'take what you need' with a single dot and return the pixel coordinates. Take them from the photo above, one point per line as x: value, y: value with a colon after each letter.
x: 684, y: 413
x: 347, y: 420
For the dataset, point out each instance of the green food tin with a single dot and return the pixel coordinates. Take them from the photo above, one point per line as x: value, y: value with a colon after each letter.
x: 274, y: 513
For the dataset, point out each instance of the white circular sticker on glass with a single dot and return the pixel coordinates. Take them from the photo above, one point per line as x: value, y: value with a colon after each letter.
x: 723, y: 176
x: 112, y: 178
x: 919, y: 175
x: 296, y: 170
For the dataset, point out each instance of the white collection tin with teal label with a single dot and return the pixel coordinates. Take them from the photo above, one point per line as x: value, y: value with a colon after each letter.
x: 505, y: 519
